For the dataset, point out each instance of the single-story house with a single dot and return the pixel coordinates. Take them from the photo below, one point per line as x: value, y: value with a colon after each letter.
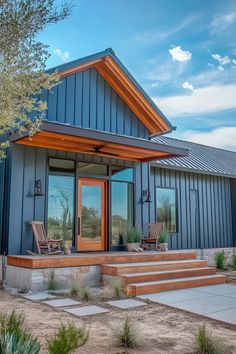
x: 100, y: 164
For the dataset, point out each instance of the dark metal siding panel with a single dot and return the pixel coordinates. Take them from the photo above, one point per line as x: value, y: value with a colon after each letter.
x: 16, y: 199
x: 233, y: 207
x: 2, y: 186
x: 85, y: 99
x: 214, y: 208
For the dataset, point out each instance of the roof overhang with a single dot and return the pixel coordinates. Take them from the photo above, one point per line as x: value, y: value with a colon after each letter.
x: 68, y: 138
x: 119, y: 78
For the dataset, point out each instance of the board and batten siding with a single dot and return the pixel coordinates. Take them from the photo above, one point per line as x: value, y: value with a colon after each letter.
x: 86, y: 100
x: 210, y: 227
x: 204, y: 215
x: 28, y: 165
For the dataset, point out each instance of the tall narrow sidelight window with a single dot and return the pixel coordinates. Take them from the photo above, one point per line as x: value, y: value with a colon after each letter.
x: 61, y: 184
x: 122, y: 203
x: 166, y: 208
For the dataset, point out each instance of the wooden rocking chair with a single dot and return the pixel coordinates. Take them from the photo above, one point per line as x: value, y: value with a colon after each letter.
x: 153, y: 236
x: 44, y: 244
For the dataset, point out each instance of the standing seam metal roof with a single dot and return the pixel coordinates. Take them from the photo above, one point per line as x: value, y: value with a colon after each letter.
x: 201, y: 158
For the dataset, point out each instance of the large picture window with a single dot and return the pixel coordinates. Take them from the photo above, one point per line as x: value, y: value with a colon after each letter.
x: 61, y: 199
x: 166, y: 208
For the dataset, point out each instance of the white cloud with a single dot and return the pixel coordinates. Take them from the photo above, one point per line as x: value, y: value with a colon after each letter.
x: 154, y: 84
x: 223, y: 137
x: 180, y: 55
x: 234, y: 61
x: 220, y: 68
x: 62, y: 55
x: 203, y: 100
x: 211, y: 65
x: 223, y: 21
x: 187, y: 86
x: 222, y: 60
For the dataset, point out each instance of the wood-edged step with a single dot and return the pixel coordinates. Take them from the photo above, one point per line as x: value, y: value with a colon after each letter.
x: 174, y: 284
x: 166, y: 274
x: 142, y: 267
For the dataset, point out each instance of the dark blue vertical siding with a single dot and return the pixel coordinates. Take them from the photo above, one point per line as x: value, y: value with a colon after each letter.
x: 214, y: 208
x: 86, y: 100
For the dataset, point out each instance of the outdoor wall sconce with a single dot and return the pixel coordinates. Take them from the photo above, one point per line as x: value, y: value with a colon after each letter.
x: 146, y: 196
x: 38, y: 188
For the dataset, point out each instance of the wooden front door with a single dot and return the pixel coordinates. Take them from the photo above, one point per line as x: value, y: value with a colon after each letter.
x: 92, y: 215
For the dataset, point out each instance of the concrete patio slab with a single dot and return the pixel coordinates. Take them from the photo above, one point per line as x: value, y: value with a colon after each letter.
x: 172, y: 297
x: 220, y: 289
x: 126, y: 303
x: 86, y: 310
x: 213, y: 301
x: 207, y: 305
x: 61, y: 302
x: 39, y: 296
x: 228, y: 316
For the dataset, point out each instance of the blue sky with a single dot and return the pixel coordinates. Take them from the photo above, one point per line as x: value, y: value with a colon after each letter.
x: 182, y: 52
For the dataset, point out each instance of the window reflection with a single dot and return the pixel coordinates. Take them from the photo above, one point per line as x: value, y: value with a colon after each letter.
x: 166, y: 208
x: 122, y: 173
x: 91, y: 212
x: 122, y: 211
x: 60, y: 207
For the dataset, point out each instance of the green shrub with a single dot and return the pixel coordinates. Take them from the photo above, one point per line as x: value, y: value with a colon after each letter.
x: 14, y: 337
x: 67, y: 339
x: 205, y: 343
x: 220, y: 260
x: 126, y: 334
x: 81, y: 292
x: 234, y: 261
x: 86, y: 294
x: 118, y: 288
x: 163, y: 238
x: 74, y: 291
x: 52, y: 283
x: 132, y: 236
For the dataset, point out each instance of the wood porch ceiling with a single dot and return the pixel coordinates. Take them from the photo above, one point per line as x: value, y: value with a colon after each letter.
x: 66, y: 138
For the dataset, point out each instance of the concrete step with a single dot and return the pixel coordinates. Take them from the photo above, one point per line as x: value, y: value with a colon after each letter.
x: 173, y: 284
x: 142, y: 267
x: 166, y: 274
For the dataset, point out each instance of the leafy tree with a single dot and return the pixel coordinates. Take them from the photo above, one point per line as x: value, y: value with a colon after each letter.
x: 22, y: 63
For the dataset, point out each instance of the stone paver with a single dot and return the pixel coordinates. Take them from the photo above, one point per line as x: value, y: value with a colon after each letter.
x: 214, y: 301
x: 39, y: 296
x: 61, y: 302
x: 126, y: 303
x: 86, y: 310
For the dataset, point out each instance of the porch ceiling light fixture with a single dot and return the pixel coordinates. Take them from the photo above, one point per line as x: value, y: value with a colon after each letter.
x: 147, y: 196
x: 38, y: 188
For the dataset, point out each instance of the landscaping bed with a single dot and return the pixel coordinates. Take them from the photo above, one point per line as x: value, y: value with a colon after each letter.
x: 159, y: 329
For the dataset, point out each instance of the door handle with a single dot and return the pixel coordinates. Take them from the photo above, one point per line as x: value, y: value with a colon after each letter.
x: 78, y: 226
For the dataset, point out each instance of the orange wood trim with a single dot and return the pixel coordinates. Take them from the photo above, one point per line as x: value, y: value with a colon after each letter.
x: 76, y: 260
x: 64, y: 142
x: 119, y: 81
x: 79, y: 68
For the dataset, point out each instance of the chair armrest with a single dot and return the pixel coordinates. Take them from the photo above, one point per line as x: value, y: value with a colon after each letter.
x: 52, y: 240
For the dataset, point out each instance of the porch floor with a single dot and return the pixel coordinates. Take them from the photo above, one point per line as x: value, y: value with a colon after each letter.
x: 95, y: 258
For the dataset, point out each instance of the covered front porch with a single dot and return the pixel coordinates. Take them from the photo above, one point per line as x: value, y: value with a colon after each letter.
x: 87, y: 186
